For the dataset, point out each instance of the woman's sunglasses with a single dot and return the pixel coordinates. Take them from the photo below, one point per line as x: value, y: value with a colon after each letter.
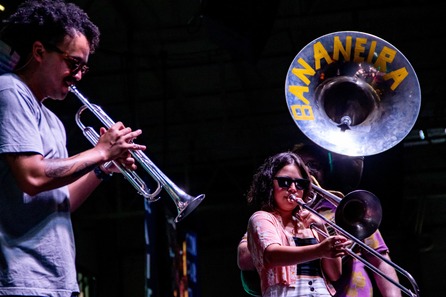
x: 299, y: 183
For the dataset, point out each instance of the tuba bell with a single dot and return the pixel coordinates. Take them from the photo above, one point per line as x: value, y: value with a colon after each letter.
x: 352, y: 93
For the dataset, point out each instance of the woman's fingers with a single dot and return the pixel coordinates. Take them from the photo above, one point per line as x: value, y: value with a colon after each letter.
x: 336, y: 246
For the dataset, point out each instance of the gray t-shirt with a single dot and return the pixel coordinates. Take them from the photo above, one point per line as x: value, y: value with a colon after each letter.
x: 37, y: 252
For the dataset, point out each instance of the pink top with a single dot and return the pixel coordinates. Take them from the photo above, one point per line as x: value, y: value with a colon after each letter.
x: 264, y: 229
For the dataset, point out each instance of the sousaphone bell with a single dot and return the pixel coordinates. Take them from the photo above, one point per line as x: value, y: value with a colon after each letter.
x: 352, y: 93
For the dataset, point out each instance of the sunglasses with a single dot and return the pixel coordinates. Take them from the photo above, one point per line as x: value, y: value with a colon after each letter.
x: 286, y: 182
x: 73, y: 63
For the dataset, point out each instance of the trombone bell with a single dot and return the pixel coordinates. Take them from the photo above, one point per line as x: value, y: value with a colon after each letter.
x: 359, y: 213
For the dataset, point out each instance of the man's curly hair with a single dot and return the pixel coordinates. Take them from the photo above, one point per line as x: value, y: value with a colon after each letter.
x: 260, y: 194
x: 47, y: 21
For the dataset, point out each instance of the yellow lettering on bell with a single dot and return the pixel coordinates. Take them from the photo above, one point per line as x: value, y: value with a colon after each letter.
x: 359, y: 49
x: 371, y: 52
x: 299, y: 91
x: 320, y: 53
x: 385, y: 56
x: 337, y: 47
x: 302, y: 112
x: 398, y: 76
x: 301, y: 72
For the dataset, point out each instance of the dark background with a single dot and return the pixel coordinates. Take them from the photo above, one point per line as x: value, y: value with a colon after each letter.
x: 205, y: 80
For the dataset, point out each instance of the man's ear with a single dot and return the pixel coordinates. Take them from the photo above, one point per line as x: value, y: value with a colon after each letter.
x: 38, y: 48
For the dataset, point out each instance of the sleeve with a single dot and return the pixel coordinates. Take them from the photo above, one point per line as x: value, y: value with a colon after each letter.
x: 19, y: 117
x: 376, y: 242
x: 262, y: 232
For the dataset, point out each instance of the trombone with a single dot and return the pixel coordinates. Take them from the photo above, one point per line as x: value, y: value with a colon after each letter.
x: 185, y: 203
x: 361, y: 213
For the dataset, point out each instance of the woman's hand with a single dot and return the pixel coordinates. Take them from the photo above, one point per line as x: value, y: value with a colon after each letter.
x: 334, y: 246
x: 307, y: 218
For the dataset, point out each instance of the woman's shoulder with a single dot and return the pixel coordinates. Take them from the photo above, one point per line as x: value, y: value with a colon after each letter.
x: 262, y: 215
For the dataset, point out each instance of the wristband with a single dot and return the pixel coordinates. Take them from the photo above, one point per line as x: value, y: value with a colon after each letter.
x: 101, y: 174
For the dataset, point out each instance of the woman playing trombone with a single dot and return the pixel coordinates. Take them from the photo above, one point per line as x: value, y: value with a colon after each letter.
x: 291, y: 259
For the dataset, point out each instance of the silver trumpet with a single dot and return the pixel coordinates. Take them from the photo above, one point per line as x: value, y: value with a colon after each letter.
x: 185, y: 203
x: 360, y: 212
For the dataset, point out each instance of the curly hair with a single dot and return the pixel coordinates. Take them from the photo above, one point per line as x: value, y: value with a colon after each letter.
x: 48, y: 21
x: 260, y: 193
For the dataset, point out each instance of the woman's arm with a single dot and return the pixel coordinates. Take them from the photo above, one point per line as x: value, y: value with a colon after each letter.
x: 330, y: 248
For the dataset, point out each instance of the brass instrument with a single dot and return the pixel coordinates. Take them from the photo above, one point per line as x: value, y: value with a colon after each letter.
x: 354, y: 94
x: 358, y: 216
x: 359, y: 212
x: 185, y: 203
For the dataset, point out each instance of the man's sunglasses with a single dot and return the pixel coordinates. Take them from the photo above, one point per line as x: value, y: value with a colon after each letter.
x: 73, y: 63
x: 299, y: 183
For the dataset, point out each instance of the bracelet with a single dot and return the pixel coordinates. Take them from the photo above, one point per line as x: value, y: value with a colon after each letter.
x: 101, y: 174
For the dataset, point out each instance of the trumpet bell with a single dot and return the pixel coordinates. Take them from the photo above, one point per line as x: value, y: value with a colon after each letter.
x: 185, y: 204
x: 352, y: 93
x: 359, y: 213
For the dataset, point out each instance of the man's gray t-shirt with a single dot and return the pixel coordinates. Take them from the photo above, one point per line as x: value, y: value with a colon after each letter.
x: 37, y: 252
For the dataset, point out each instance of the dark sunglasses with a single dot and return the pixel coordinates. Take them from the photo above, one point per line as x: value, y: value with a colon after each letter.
x: 299, y: 183
x: 73, y: 63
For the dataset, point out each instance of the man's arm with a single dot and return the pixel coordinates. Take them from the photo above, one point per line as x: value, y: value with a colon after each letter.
x: 386, y: 288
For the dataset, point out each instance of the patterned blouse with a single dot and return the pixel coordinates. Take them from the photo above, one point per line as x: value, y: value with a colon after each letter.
x: 264, y: 229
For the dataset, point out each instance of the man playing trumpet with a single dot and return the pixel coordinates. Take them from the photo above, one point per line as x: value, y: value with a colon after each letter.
x: 45, y: 46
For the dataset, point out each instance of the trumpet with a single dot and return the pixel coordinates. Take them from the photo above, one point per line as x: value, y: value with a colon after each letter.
x: 357, y: 216
x: 184, y: 202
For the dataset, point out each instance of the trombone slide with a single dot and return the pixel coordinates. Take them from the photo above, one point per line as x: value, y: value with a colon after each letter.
x: 356, y: 241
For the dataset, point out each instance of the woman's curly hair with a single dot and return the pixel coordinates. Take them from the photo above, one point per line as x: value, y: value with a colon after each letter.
x: 260, y: 194
x: 48, y: 21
